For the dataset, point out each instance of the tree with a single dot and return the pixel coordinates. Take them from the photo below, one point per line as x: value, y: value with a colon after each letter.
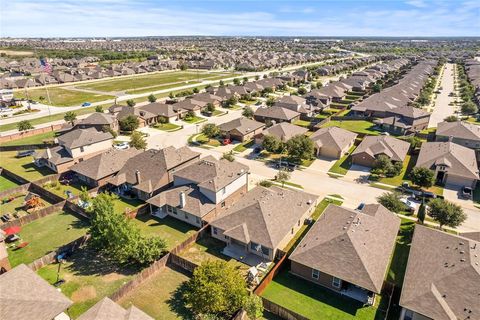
x: 210, y: 130
x: 377, y: 87
x: 272, y: 143
x: 70, y: 116
x: 99, y: 109
x: 129, y: 123
x: 422, y: 177
x: 391, y: 201
x: 421, y: 212
x: 254, y: 307
x: 221, y: 83
x: 24, y: 125
x: 215, y: 289
x: 282, y: 176
x: 300, y: 147
x: 270, y: 101
x: 137, y: 141
x: 248, y: 112
x: 195, y: 90
x: 228, y: 156
x: 189, y: 115
x: 451, y: 119
x: 236, y: 81
x: 384, y: 166
x: 210, y: 107
x: 230, y: 102
x: 171, y: 95
x: 113, y: 234
x: 152, y: 98
x: 301, y: 90
x: 469, y: 107
x: 265, y: 183
x: 84, y: 195
x: 257, y: 77
x: 245, y: 80
x: 446, y: 213
x: 131, y: 103
x: 183, y: 67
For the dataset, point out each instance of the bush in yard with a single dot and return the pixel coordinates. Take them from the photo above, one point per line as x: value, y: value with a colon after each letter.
x: 469, y: 107
x: 195, y: 90
x: 272, y: 144
x: 422, y: 177
x: 451, y: 119
x: 229, y: 156
x: 265, y: 183
x: 99, y: 109
x: 137, y: 141
x: 189, y: 115
x: 210, y: 107
x: 210, y: 130
x: 446, y: 213
x: 113, y: 234
x: 270, y: 101
x: 247, y: 112
x: 301, y: 90
x: 129, y: 123
x: 300, y: 147
x: 84, y: 195
x: 254, y: 307
x: 216, y: 289
x: 70, y: 117
x: 24, y: 125
x: 230, y: 102
x: 391, y: 201
x: 131, y: 103
x: 152, y: 98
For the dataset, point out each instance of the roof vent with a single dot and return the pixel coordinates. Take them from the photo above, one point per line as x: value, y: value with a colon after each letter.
x: 462, y: 260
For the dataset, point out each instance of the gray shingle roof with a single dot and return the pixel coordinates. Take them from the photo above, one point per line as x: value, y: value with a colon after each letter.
x: 106, y: 309
x: 284, y: 131
x: 277, y: 113
x: 333, y: 137
x: 459, y: 129
x: 394, y: 148
x: 242, y: 125
x: 83, y: 137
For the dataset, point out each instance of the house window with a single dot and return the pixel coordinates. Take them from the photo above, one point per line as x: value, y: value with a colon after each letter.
x: 336, y: 282
x: 298, y: 223
x: 265, y: 251
x: 215, y: 231
x: 315, y: 274
x: 169, y: 209
x: 293, y: 231
x: 222, y: 204
x: 82, y: 149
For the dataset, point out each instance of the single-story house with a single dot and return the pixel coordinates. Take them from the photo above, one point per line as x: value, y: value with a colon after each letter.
x: 442, y: 279
x: 241, y: 129
x: 332, y: 142
x: 275, y: 115
x: 107, y: 309
x: 284, y: 131
x: 348, y: 251
x: 372, y: 147
x: 99, y: 121
x: 460, y: 132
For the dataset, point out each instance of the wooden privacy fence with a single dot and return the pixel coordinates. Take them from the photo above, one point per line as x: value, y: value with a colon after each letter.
x: 29, y: 133
x: 282, y: 263
x: 13, y: 176
x: 33, y: 216
x: 14, y: 191
x: 182, y: 263
x: 280, y: 311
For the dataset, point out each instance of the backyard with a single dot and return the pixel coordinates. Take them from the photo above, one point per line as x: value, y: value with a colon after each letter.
x: 62, y: 96
x: 123, y: 204
x: 160, y: 296
x: 172, y: 230
x: 398, y: 263
x: 358, y: 126
x: 24, y: 167
x: 63, y: 190
x: 45, y: 235
x: 16, y: 205
x: 88, y: 278
x: 36, y: 139
x: 6, y: 183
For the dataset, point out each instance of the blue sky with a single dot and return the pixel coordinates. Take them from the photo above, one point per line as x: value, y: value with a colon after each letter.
x: 66, y: 18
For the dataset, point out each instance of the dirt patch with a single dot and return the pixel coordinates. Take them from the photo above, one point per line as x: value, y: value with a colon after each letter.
x: 84, y: 293
x: 112, y: 277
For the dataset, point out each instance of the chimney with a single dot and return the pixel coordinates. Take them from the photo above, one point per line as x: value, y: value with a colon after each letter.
x: 450, y: 138
x: 49, y: 153
x: 137, y: 175
x: 183, y: 200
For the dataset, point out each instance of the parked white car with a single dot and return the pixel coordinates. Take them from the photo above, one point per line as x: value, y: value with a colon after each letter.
x: 122, y: 146
x: 412, y: 206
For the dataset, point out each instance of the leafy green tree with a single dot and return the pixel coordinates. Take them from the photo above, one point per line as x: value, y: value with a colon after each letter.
x: 99, y: 109
x: 270, y: 101
x: 195, y: 90
x: 24, y: 125
x: 129, y: 123
x: 131, y: 103
x: 451, y: 119
x: 300, y: 147
x: 265, y: 183
x: 245, y: 80
x: 152, y: 98
x: 469, y: 107
x: 271, y: 143
x: 70, y: 117
x: 422, y: 177
x: 257, y: 77
x: 171, y: 95
x: 229, y: 156
x: 113, y: 234
x: 221, y: 83
x: 84, y: 195
x: 377, y: 87
x: 301, y: 90
x: 282, y: 176
x: 236, y: 81
x: 137, y: 141
x: 230, y: 102
x: 210, y: 130
x: 215, y: 289
x: 446, y: 213
x: 391, y: 201
x: 210, y: 107
x: 254, y: 307
x: 248, y: 112
x: 421, y: 212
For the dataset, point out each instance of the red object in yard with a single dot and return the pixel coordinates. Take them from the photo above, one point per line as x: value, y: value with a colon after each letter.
x: 226, y: 141
x: 12, y: 230
x: 22, y: 245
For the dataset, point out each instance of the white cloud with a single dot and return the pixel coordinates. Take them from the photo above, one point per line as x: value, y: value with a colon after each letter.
x: 417, y: 3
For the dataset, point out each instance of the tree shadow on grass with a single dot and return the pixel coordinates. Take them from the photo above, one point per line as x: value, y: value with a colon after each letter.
x: 176, y: 302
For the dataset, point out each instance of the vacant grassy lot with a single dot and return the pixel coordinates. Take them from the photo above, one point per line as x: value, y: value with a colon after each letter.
x: 62, y: 97
x: 172, y: 230
x: 359, y: 126
x: 45, y: 235
x: 24, y: 167
x: 36, y: 139
x: 88, y: 278
x: 342, y: 165
x: 6, y: 183
x: 160, y: 296
x: 315, y: 302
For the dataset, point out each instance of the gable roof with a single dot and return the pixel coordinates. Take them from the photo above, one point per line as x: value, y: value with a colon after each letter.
x: 265, y: 215
x: 442, y: 279
x: 98, y: 118
x: 460, y: 160
x: 393, y: 148
x: 352, y: 245
x: 242, y: 125
x: 24, y: 295
x: 83, y: 137
x: 459, y: 129
x: 333, y: 137
x: 276, y: 113
x: 285, y: 130
x: 106, y: 309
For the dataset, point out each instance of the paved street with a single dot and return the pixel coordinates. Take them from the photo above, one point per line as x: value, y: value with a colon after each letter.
x: 441, y: 108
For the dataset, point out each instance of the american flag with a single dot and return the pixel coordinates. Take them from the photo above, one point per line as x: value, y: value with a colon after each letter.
x: 46, y: 67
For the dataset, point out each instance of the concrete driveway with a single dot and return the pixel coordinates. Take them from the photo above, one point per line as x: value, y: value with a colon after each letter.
x: 358, y: 174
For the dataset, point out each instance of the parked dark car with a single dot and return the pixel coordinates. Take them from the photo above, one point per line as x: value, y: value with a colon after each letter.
x: 466, y: 193
x: 25, y: 153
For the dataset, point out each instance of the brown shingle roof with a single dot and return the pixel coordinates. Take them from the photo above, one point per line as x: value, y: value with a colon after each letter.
x: 442, y: 280
x: 276, y: 113
x: 352, y: 245
x: 82, y: 137
x: 394, y: 148
x: 333, y: 137
x: 284, y: 131
x: 242, y: 125
x: 106, y: 309
x: 459, y: 129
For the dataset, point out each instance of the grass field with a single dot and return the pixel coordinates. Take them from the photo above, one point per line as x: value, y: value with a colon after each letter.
x: 166, y: 126
x: 88, y: 279
x: 45, y: 235
x: 122, y: 204
x: 358, y: 126
x: 160, y: 296
x: 62, y: 97
x: 398, y: 179
x: 24, y: 167
x: 36, y: 139
x: 398, y: 262
x: 6, y: 184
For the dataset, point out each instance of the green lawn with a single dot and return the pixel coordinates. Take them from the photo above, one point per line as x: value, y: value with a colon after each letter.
x: 194, y: 119
x: 172, y: 230
x: 45, y: 235
x: 122, y: 204
x: 17, y: 205
x: 6, y: 183
x: 160, y: 296
x: 342, y: 165
x: 204, y: 140
x: 61, y: 189
x: 358, y: 126
x: 88, y: 278
x: 302, y: 123
x: 24, y: 167
x: 315, y: 302
x: 408, y: 164
x: 62, y: 97
x: 166, y: 126
x: 162, y: 87
x: 36, y: 139
x: 244, y: 146
x: 398, y: 262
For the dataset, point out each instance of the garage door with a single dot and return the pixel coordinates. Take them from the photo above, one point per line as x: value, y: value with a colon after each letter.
x: 456, y: 181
